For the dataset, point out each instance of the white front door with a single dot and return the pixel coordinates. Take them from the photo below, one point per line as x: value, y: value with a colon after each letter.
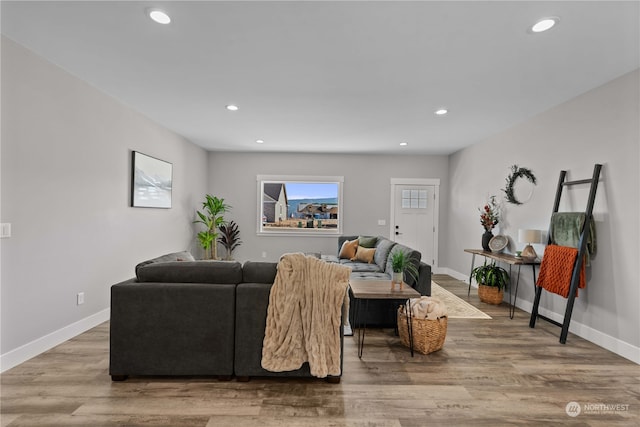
x: 414, y: 218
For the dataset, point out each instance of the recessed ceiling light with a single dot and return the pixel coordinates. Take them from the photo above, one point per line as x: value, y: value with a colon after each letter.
x: 232, y: 107
x: 404, y: 144
x: 441, y: 112
x: 259, y: 141
x: 544, y: 24
x: 159, y: 16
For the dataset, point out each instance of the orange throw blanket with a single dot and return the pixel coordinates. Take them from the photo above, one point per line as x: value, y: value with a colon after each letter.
x: 556, y: 270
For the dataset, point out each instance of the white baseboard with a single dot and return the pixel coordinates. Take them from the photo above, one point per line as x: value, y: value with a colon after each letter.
x: 595, y: 336
x: 454, y: 274
x: 23, y: 353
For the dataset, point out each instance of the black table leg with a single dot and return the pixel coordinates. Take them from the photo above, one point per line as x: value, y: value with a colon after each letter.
x: 512, y: 306
x: 361, y: 328
x: 473, y: 261
x: 409, y: 314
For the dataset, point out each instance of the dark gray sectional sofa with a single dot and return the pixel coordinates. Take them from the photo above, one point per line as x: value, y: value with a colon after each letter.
x: 382, y: 313
x: 180, y: 317
x: 183, y: 317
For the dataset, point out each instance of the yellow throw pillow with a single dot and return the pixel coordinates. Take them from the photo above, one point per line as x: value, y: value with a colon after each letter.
x: 364, y: 254
x: 348, y: 249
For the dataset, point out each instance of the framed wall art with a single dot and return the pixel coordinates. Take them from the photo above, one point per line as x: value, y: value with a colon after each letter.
x: 151, y: 182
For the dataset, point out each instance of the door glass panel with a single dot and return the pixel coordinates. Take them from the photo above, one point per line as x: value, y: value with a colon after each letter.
x: 414, y: 199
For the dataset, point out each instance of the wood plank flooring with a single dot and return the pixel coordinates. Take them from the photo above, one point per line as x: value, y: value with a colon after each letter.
x: 489, y: 373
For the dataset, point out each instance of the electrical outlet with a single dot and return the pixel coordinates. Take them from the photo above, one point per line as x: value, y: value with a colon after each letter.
x: 264, y: 254
x: 80, y: 298
x: 5, y: 230
x: 382, y: 222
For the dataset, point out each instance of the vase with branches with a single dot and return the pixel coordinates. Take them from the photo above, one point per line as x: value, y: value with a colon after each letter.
x: 489, y: 218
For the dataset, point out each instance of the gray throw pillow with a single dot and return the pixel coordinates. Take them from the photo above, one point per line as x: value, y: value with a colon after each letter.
x: 382, y: 252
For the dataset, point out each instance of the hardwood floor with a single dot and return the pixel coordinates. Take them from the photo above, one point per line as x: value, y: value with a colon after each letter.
x: 490, y: 373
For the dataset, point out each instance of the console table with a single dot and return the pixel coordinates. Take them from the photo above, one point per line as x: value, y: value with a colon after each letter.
x: 512, y: 261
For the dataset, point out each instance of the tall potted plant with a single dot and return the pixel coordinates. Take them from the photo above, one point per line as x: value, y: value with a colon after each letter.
x: 212, y: 219
x: 401, y: 264
x: 491, y: 279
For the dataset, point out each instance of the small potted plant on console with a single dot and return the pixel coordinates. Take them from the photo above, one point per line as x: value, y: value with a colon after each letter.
x: 492, y: 279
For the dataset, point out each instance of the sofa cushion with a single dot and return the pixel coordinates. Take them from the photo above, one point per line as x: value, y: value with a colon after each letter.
x: 367, y: 241
x: 259, y: 272
x: 383, y: 247
x: 219, y: 272
x: 364, y: 254
x: 357, y: 266
x: 349, y: 249
x: 176, y: 256
x: 329, y: 258
x: 370, y: 275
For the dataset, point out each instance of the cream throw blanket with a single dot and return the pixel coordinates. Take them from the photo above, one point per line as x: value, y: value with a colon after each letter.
x: 430, y: 308
x: 303, y: 317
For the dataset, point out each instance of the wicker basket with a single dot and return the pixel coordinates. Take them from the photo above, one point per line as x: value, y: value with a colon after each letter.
x: 490, y: 294
x: 428, y: 335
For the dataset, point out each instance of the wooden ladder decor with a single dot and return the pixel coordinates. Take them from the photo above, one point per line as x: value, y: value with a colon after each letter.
x: 582, y: 247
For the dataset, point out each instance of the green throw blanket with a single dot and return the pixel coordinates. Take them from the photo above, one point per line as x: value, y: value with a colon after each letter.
x: 565, y: 231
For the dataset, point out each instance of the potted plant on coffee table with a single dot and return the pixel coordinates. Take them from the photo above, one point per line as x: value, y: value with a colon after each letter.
x: 492, y: 279
x: 401, y: 264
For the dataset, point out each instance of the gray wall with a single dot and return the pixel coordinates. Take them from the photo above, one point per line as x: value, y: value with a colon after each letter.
x: 366, y: 193
x: 65, y: 178
x: 600, y: 126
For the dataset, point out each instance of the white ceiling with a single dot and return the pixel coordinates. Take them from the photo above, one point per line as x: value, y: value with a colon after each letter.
x: 339, y: 77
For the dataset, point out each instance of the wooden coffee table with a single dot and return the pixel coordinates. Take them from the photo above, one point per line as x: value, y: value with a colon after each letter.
x: 365, y: 290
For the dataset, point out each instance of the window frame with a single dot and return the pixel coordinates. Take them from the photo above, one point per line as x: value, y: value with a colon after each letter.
x: 262, y: 230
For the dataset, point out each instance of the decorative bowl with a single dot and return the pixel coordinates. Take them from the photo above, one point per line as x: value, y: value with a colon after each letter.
x: 498, y: 243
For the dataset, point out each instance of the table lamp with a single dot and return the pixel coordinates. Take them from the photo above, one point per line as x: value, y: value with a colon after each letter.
x: 529, y: 237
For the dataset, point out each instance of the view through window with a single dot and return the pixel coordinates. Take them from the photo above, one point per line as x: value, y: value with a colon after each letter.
x: 300, y: 205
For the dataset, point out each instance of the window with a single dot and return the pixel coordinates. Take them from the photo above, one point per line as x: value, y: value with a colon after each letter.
x: 299, y: 205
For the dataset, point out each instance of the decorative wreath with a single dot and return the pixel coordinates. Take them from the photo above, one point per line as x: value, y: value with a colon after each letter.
x: 517, y: 172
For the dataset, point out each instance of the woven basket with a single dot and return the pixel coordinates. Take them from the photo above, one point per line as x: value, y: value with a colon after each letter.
x: 428, y: 335
x: 490, y: 294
